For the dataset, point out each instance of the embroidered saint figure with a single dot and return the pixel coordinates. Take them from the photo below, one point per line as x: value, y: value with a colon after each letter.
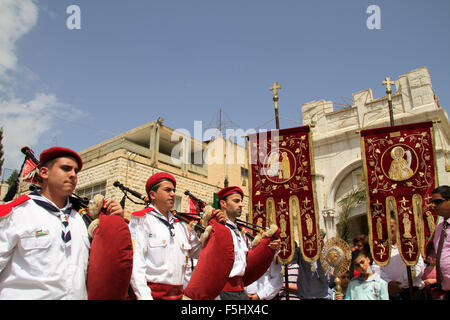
x: 400, y: 167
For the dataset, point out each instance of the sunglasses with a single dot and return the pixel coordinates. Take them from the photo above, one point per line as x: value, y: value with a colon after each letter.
x: 437, y: 201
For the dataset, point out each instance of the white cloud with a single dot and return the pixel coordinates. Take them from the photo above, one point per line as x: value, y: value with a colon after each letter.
x: 25, y: 122
x: 17, y: 18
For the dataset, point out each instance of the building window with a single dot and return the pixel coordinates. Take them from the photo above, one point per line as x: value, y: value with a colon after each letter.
x: 91, y: 191
x: 177, y: 204
x: 244, y: 173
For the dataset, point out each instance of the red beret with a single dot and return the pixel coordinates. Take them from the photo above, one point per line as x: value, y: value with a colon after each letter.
x: 56, y: 152
x: 157, y: 177
x: 229, y: 190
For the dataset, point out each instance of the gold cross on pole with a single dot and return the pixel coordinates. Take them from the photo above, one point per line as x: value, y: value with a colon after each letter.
x: 387, y: 82
x: 275, y: 89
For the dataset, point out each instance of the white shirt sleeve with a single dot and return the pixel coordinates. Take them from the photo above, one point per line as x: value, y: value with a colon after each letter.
x: 196, y: 246
x: 8, y: 240
x: 138, y: 276
x: 419, y: 268
x: 271, y: 283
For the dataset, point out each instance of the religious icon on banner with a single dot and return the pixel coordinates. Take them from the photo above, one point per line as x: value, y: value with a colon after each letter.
x: 401, y: 159
x: 400, y: 174
x: 282, y: 190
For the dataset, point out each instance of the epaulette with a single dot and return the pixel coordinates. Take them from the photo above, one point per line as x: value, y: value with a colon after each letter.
x: 142, y: 213
x: 6, y: 209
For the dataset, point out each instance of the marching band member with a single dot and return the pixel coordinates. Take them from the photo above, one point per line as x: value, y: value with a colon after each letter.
x: 162, y: 244
x: 44, y: 244
x: 230, y: 202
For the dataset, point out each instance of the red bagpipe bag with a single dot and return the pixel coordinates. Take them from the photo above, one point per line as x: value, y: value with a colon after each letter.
x: 110, y: 260
x: 400, y: 171
x: 282, y: 190
x: 214, y: 265
x: 260, y: 256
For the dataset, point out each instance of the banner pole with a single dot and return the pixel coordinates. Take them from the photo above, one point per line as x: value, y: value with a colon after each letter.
x: 388, y: 84
x: 275, y: 89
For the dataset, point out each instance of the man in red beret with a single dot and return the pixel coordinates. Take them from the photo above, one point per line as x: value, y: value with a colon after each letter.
x: 230, y: 202
x: 162, y: 244
x: 45, y: 241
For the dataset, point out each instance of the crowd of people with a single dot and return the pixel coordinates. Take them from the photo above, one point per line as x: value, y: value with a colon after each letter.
x: 45, y: 247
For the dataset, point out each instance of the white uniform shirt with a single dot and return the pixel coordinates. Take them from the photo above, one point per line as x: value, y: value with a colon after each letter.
x: 34, y: 263
x: 395, y: 270
x: 240, y: 251
x: 269, y: 285
x: 159, y: 257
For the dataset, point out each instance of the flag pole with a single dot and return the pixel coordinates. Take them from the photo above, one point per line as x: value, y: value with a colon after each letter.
x: 274, y: 88
x: 388, y: 84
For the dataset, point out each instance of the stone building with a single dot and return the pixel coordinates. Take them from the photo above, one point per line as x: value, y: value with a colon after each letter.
x: 336, y: 141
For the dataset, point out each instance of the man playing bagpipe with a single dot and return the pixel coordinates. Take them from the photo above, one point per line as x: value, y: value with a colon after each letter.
x: 163, y: 244
x: 248, y: 265
x: 44, y: 243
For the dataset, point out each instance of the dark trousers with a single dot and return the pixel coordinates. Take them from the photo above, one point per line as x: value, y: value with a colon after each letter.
x: 233, y: 295
x: 405, y: 295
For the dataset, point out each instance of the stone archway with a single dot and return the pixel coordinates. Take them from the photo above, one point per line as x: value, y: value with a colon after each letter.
x: 345, y: 181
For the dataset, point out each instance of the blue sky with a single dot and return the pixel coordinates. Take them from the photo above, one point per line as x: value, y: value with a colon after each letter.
x: 134, y: 61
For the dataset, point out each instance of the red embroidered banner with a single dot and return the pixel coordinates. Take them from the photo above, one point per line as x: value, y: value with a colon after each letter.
x: 282, y: 191
x: 399, y: 166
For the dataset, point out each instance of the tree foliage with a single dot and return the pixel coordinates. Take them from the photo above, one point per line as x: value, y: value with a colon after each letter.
x: 353, y: 199
x: 12, y: 178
